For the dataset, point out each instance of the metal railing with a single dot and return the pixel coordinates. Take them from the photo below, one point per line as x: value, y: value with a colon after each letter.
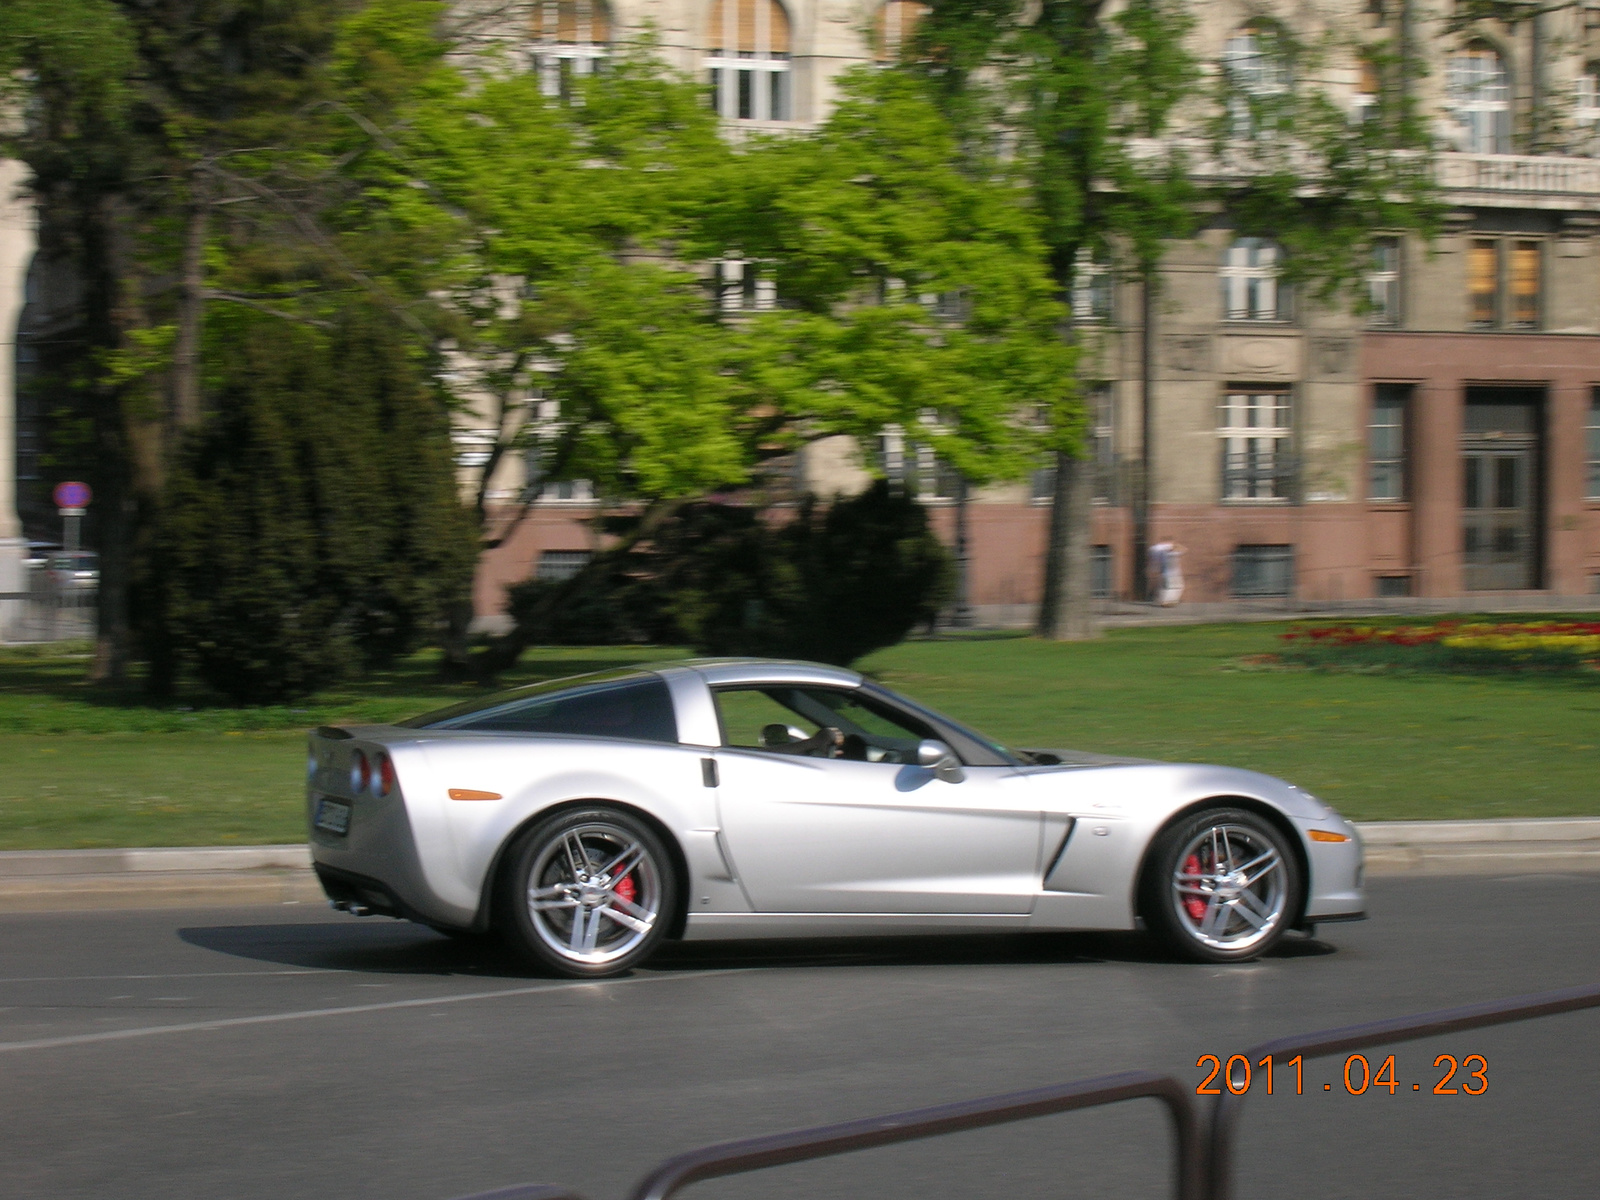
x: 1228, y: 1108
x: 802, y: 1145
x: 48, y: 612
x: 1204, y: 1143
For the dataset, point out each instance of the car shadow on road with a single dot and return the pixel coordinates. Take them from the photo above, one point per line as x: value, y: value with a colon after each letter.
x: 942, y: 950
x: 401, y: 948
x: 372, y: 946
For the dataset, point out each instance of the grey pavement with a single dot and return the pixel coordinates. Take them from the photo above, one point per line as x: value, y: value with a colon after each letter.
x: 284, y: 1051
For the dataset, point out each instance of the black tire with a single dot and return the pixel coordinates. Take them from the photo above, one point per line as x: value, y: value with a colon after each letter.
x: 565, y: 905
x: 1221, y: 885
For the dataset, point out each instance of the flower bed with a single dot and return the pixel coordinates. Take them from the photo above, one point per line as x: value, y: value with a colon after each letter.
x: 1449, y: 645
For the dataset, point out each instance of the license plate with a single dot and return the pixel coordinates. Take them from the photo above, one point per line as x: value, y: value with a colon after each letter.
x: 333, y: 816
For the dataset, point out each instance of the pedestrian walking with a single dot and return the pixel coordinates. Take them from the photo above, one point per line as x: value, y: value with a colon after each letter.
x: 1166, y: 572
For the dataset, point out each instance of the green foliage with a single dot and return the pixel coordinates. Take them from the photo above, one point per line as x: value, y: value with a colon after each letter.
x: 912, y: 292
x: 310, y: 530
x: 831, y: 584
x: 1128, y: 146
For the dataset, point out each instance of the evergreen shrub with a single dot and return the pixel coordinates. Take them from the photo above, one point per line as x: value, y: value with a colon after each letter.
x: 311, y: 530
x: 832, y: 584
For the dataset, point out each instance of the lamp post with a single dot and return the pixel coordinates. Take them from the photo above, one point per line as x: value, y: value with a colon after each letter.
x: 961, y: 616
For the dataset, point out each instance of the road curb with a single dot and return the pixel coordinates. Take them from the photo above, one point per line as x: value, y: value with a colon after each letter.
x: 199, y: 876
x: 156, y: 877
x: 1496, y: 847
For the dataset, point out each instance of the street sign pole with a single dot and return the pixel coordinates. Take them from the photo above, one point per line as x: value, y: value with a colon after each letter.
x: 71, y: 499
x: 71, y: 522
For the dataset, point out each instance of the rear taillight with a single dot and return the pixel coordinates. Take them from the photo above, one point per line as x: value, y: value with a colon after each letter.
x: 360, y: 773
x: 383, y: 782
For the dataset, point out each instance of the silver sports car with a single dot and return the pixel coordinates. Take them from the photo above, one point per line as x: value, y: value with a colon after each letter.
x: 588, y: 819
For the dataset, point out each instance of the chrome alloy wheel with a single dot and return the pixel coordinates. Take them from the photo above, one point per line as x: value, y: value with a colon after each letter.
x: 1230, y: 887
x: 594, y: 893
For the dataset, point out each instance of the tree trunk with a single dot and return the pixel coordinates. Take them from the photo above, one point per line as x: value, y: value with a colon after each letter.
x: 129, y: 437
x: 1066, y: 612
x: 1143, y: 474
x: 455, y: 663
x: 186, y: 399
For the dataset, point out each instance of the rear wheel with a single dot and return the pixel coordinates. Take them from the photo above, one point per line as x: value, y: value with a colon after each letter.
x: 1221, y: 885
x: 590, y: 892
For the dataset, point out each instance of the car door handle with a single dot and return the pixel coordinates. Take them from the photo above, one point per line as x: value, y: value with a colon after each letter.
x: 708, y: 772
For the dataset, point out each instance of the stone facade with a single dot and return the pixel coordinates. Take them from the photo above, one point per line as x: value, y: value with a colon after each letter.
x: 1446, y: 444
x: 16, y: 253
x: 1356, y: 487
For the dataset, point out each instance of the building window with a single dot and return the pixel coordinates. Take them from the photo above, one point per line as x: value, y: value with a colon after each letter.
x: 915, y: 467
x: 1386, y: 442
x: 1263, y: 571
x: 575, y: 491
x: 1479, y: 100
x: 1524, y: 283
x: 1394, y: 585
x: 1504, y: 283
x: 570, y: 38
x: 558, y: 566
x: 1103, y: 412
x: 1100, y: 405
x: 1100, y: 572
x: 1586, y: 111
x: 741, y: 287
x: 1256, y: 70
x: 1383, y: 282
x: 1257, y: 462
x: 896, y: 22
x: 1592, y: 491
x: 1369, y: 86
x: 749, y: 60
x: 1250, y: 288
x: 1483, y: 282
x: 1091, y: 288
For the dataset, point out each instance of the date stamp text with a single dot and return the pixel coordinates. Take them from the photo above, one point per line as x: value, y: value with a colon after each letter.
x: 1450, y: 1076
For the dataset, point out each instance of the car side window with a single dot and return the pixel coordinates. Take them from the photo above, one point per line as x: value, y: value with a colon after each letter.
x: 747, y: 713
x: 639, y: 709
x: 794, y: 720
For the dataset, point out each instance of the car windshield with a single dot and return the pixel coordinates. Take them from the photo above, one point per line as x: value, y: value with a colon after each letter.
x: 973, y: 747
x: 623, y: 704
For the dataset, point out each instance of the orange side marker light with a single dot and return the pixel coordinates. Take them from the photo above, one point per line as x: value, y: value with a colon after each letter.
x: 470, y: 794
x: 1317, y: 835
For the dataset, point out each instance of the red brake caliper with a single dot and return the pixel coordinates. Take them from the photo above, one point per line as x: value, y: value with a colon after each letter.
x: 626, y: 889
x: 1193, y: 905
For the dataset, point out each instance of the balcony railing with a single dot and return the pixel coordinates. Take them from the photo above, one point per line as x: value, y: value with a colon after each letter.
x: 1563, y: 181
x: 1520, y: 175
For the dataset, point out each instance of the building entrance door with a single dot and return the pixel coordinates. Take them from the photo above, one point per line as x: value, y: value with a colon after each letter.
x: 1500, y: 508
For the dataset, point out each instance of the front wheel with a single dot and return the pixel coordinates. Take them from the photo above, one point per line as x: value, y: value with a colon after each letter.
x: 1220, y: 885
x: 590, y: 892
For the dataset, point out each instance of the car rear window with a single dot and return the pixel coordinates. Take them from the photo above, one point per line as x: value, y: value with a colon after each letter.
x: 638, y: 708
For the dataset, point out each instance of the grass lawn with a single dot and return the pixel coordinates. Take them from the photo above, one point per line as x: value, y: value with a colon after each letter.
x: 79, y: 768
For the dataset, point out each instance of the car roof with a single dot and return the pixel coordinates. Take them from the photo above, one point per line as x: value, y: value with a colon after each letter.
x: 719, y: 671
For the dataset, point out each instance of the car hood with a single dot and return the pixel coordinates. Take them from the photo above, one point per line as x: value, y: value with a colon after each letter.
x: 1081, y: 758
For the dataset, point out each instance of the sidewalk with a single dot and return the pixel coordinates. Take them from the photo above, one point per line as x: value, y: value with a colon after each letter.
x: 1125, y: 614
x: 53, y: 880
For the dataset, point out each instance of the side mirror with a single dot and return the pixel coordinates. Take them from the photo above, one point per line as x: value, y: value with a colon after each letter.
x: 942, y: 760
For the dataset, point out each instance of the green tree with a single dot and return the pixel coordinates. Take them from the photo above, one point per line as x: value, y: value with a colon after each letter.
x: 1128, y: 147
x: 311, y: 529
x: 911, y: 291
x: 187, y: 159
x: 573, y: 234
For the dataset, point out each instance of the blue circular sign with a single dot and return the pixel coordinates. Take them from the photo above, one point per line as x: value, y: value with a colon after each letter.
x: 72, y: 495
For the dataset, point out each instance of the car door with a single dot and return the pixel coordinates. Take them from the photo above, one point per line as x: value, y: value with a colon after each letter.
x: 872, y: 832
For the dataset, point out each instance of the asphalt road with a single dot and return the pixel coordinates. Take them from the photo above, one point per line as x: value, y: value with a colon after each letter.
x: 290, y: 1052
